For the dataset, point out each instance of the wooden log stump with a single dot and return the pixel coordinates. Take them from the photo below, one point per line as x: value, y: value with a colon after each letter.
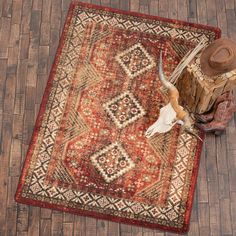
x: 198, y: 92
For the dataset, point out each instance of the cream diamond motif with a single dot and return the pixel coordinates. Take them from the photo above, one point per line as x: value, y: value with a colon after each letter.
x: 135, y: 60
x: 124, y: 109
x: 112, y: 162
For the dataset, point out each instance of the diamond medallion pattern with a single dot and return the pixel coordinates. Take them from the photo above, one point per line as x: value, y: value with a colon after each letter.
x: 135, y: 60
x: 112, y: 162
x: 124, y: 109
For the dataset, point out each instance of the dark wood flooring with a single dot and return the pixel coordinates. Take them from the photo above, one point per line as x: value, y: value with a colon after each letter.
x: 29, y: 34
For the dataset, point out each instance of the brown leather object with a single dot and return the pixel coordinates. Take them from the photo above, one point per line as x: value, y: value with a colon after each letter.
x: 219, y: 57
x: 207, y: 117
x: 217, y: 120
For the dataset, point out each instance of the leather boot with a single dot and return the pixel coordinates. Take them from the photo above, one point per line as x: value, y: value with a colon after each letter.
x: 204, y: 118
x: 222, y: 116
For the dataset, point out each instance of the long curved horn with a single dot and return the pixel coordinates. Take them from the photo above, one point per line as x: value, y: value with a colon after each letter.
x: 162, y: 77
x: 173, y: 93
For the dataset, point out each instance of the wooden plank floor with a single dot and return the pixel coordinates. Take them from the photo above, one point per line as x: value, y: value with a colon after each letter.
x: 29, y: 34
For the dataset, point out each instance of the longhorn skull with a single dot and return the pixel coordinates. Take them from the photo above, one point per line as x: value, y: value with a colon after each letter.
x: 172, y: 113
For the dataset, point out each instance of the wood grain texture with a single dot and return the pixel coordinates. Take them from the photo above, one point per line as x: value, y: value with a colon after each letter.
x: 29, y: 35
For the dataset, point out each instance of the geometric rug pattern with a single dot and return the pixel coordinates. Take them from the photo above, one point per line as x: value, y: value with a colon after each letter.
x: 88, y: 154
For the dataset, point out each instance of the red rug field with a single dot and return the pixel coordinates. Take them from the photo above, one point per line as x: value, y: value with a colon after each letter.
x: 88, y: 154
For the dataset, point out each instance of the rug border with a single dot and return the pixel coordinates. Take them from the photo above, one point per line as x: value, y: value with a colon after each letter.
x: 216, y: 29
x: 42, y: 109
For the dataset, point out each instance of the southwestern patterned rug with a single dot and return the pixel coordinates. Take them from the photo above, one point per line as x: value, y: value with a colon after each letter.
x: 88, y: 153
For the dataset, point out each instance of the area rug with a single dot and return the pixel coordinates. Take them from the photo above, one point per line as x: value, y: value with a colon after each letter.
x: 88, y: 154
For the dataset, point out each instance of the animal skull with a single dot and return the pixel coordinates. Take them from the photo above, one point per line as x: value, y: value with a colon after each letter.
x: 172, y: 113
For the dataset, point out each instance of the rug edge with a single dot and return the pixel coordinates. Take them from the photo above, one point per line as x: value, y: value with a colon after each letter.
x: 194, y: 180
x: 43, y: 104
x: 216, y: 29
x: 85, y: 213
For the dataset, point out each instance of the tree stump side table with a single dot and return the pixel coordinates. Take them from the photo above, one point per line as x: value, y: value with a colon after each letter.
x: 198, y: 92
